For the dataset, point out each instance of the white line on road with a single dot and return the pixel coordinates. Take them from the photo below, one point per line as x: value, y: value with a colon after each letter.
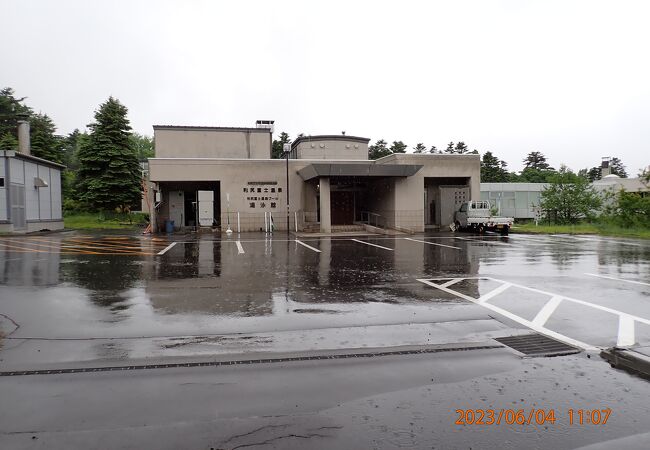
x: 308, y: 246
x: 164, y: 250
x: 494, y: 293
x: 516, y: 318
x: 430, y: 243
x: 617, y: 279
x: 547, y: 310
x: 240, y: 249
x: 374, y: 245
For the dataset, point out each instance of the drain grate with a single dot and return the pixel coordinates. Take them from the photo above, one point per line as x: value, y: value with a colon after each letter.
x: 536, y: 345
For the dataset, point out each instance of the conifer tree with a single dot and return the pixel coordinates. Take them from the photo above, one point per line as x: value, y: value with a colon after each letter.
x: 109, y: 173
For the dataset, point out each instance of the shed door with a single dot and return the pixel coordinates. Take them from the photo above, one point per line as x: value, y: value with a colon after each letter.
x: 18, y: 206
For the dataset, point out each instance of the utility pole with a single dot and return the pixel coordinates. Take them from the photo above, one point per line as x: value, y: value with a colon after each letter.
x: 286, y: 148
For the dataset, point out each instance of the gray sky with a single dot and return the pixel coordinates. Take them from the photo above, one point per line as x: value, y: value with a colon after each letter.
x: 568, y: 78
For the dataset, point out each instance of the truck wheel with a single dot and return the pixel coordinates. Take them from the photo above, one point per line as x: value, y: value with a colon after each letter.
x: 481, y: 229
x: 505, y: 230
x: 457, y: 226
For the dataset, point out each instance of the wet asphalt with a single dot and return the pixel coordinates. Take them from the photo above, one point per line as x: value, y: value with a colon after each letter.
x: 87, y: 300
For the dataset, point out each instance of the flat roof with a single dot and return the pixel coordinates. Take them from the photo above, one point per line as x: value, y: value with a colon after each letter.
x: 369, y: 169
x: 207, y: 128
x: 35, y: 159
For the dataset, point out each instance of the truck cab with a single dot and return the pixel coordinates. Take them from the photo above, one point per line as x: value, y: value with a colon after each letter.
x: 479, y: 216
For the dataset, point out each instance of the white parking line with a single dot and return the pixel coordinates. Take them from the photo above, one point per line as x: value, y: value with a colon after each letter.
x: 432, y: 243
x: 494, y: 292
x: 547, y: 310
x: 617, y: 279
x: 627, y: 322
x: 308, y: 246
x: 164, y: 250
x: 516, y: 318
x: 240, y: 249
x: 374, y: 245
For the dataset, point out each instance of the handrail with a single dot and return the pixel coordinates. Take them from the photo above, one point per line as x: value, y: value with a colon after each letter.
x: 373, y: 219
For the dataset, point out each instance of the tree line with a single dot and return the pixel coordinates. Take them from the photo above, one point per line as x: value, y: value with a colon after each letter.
x: 102, y: 165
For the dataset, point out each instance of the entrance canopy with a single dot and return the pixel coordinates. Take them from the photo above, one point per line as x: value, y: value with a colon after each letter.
x: 358, y: 170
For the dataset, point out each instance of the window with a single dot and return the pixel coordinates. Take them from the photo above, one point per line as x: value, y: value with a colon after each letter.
x: 2, y: 182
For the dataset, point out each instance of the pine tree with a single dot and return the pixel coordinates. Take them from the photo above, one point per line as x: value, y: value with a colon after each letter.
x: 493, y: 170
x: 450, y: 148
x: 433, y: 149
x: 277, y: 148
x: 109, y: 173
x: 536, y: 160
x: 419, y: 148
x: 44, y: 144
x: 378, y: 150
x: 398, y: 147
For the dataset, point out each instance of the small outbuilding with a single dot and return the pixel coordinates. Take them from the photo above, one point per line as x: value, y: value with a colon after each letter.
x: 30, y: 189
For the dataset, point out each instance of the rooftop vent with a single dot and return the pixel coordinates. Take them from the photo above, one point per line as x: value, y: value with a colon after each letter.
x: 605, y: 169
x: 265, y: 124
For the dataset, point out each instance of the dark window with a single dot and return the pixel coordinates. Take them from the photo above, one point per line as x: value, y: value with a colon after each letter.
x: 2, y: 182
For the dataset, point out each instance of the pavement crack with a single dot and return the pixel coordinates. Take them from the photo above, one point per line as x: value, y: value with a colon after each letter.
x: 277, y: 438
x: 254, y: 431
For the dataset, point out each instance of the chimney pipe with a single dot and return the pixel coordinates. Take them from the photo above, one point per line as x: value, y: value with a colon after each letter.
x: 605, y: 169
x: 23, y: 137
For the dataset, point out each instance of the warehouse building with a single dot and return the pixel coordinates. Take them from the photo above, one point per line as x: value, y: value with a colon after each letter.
x: 30, y: 189
x: 225, y: 177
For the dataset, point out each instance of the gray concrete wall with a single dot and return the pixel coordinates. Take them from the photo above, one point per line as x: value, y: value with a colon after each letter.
x: 332, y: 149
x: 197, y: 142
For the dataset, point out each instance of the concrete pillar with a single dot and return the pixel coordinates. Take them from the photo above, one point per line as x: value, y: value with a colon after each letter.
x: 23, y: 137
x: 325, y: 211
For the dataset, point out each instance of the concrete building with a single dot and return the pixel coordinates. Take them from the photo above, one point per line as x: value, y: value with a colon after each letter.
x: 30, y: 189
x: 225, y: 177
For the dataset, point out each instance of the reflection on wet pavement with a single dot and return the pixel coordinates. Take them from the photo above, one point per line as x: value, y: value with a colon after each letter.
x: 204, y: 292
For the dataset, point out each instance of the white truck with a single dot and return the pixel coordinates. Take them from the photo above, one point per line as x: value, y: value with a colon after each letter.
x: 478, y: 215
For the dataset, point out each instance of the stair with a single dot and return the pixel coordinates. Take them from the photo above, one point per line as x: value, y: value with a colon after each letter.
x: 346, y: 228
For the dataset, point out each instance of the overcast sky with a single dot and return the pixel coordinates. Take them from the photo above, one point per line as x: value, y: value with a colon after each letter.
x: 568, y: 78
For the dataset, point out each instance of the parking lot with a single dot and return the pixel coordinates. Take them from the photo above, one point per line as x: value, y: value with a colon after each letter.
x: 86, y: 300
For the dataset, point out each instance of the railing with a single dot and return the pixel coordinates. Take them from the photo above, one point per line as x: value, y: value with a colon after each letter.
x: 373, y: 219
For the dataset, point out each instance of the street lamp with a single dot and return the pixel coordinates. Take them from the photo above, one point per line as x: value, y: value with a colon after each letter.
x: 286, y: 149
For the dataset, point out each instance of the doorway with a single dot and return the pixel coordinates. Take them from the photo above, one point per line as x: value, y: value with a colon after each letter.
x: 342, y: 207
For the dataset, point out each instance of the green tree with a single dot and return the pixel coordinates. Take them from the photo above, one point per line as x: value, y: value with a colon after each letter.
x: 530, y: 175
x: 142, y: 145
x: 8, y: 142
x: 536, y: 160
x: 458, y: 148
x: 278, y: 146
x: 629, y: 209
x: 398, y: 147
x: 44, y: 144
x: 378, y: 150
x: 493, y: 170
x: 419, y: 148
x: 616, y: 167
x: 109, y: 174
x: 592, y: 174
x: 569, y: 198
x: 461, y: 148
x: 11, y: 110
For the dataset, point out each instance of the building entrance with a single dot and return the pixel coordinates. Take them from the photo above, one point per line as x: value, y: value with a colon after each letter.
x: 342, y: 207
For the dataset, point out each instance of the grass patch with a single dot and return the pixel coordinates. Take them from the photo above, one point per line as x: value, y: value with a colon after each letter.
x: 102, y: 221
x: 583, y: 228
